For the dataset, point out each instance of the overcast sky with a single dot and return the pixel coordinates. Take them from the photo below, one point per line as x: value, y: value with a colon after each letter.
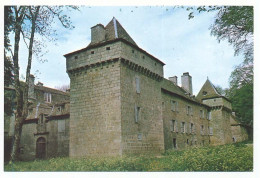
x: 183, y: 45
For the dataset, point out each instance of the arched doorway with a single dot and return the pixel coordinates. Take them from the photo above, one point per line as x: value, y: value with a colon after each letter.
x: 41, y: 148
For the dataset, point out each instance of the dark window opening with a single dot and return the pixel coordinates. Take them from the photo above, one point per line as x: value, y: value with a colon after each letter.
x: 76, y: 57
x: 155, y: 64
x: 187, y: 141
x: 92, y: 52
x: 133, y: 51
x: 107, y: 48
x: 174, y: 143
x: 137, y: 114
x: 143, y: 57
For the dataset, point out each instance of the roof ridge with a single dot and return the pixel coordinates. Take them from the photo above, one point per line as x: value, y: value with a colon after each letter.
x: 115, y: 27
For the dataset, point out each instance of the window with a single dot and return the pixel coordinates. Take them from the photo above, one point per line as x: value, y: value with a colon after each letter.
x: 187, y: 141
x: 61, y: 126
x: 143, y: 57
x: 137, y: 84
x: 139, y: 136
x: 76, y: 57
x: 92, y: 52
x: 174, y: 105
x: 30, y: 111
x: 61, y: 108
x: 209, y: 115
x: 204, y: 93
x: 173, y: 123
x: 183, y: 127
x: 174, y: 143
x: 201, y: 113
x: 210, y: 131
x: 191, y: 127
x: 133, y: 51
x: 202, y: 130
x: 47, y: 97
x: 107, y: 48
x: 137, y: 113
x: 189, y: 110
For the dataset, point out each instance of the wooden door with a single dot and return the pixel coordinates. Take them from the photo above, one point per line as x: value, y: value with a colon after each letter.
x: 41, y: 148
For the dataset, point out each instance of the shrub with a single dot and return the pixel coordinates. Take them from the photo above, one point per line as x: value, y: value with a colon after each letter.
x: 232, y: 157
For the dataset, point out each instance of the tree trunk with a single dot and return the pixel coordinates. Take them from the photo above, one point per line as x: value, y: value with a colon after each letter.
x: 19, y: 98
x: 28, y: 70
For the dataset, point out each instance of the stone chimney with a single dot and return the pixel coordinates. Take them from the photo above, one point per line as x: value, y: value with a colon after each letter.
x: 31, y: 87
x: 174, y: 80
x: 186, y: 82
x: 98, y: 33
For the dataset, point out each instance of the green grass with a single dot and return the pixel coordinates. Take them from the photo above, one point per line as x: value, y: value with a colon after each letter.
x: 232, y: 157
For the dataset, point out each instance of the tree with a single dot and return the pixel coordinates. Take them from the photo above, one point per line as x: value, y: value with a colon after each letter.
x: 29, y: 20
x: 63, y: 87
x: 241, y: 92
x: 242, y: 104
x: 232, y: 23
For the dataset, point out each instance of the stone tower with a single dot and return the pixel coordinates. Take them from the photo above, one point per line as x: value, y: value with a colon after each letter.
x: 115, y: 96
x: 219, y: 116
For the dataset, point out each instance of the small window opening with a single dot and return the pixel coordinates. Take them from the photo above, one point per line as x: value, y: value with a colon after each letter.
x: 107, y: 48
x: 204, y: 93
x: 174, y: 143
x: 139, y: 136
x: 92, y: 52
x: 76, y: 57
x: 133, y: 51
x: 143, y: 57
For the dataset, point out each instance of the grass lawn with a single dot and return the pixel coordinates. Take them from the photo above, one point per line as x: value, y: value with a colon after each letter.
x: 232, y: 157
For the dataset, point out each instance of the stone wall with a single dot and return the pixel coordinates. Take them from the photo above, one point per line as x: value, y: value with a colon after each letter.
x: 239, y: 133
x: 55, y: 97
x: 95, y: 115
x: 217, y: 102
x: 220, y: 122
x: 138, y: 57
x: 28, y: 141
x: 144, y: 135
x: 94, y: 55
x: 191, y: 136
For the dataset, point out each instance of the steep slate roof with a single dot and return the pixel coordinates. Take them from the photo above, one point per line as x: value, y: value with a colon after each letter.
x: 115, y: 30
x: 210, y: 90
x: 173, y: 89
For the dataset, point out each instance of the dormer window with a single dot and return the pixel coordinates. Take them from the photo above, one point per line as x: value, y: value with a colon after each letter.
x: 204, y: 93
x: 47, y: 97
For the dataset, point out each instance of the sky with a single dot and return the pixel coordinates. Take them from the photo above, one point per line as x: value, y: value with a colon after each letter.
x: 165, y: 32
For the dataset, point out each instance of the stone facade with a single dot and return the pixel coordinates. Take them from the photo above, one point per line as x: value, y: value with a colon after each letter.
x: 45, y: 131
